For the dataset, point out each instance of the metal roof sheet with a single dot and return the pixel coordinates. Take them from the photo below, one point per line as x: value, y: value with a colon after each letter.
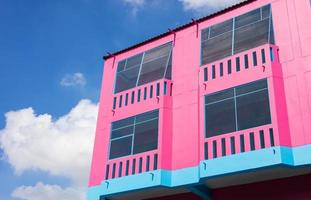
x: 235, y: 6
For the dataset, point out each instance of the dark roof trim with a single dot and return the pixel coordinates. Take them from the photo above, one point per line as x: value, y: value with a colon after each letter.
x: 193, y: 22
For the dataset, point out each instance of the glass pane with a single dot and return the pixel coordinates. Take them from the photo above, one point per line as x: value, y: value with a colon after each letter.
x: 272, y: 40
x: 217, y: 48
x: 250, y: 87
x: 154, y: 64
x: 121, y: 65
x: 265, y: 11
x: 218, y: 96
x: 204, y: 34
x: 120, y: 147
x: 122, y: 132
x: 253, y: 110
x: 248, y: 18
x: 146, y: 136
x: 122, y: 123
x: 168, y: 74
x: 220, y: 118
x: 126, y: 79
x: 147, y: 116
x: 134, y: 61
x: 251, y: 36
x: 157, y: 52
x: 153, y: 70
x: 221, y: 28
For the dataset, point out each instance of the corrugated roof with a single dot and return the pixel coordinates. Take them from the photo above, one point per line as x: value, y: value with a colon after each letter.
x: 245, y: 2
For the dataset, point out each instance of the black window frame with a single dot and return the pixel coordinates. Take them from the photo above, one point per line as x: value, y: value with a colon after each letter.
x: 234, y: 94
x: 141, y: 69
x: 206, y: 35
x: 131, y: 124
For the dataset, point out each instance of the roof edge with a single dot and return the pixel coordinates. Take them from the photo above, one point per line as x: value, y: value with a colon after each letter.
x: 192, y: 23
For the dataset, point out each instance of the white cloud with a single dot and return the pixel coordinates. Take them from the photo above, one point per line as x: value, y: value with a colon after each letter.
x: 205, y: 6
x: 135, y: 4
x: 60, y: 147
x: 48, y: 192
x: 76, y: 79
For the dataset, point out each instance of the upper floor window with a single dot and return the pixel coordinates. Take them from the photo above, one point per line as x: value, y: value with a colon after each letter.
x: 238, y: 34
x: 237, y: 108
x: 143, y: 68
x: 134, y: 135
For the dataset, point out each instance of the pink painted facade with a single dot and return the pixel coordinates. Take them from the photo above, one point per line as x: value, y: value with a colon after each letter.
x: 181, y: 131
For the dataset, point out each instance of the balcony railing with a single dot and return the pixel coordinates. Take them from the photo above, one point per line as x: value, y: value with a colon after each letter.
x: 241, y: 141
x: 255, y: 62
x: 130, y: 165
x: 150, y: 93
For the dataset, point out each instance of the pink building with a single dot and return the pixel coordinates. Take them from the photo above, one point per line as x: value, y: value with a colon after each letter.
x: 219, y: 108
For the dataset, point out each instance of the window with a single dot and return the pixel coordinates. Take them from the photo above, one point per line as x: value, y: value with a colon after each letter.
x: 134, y: 135
x: 237, y: 108
x: 237, y: 34
x: 144, y: 68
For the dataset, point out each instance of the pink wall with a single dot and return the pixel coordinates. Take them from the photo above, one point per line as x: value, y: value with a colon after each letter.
x: 181, y: 121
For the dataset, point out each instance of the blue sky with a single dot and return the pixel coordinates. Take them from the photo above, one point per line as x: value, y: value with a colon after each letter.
x: 50, y: 74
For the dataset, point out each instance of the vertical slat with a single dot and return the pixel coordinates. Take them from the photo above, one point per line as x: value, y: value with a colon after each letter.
x: 155, y: 165
x: 120, y: 169
x: 262, y: 139
x: 213, y: 72
x: 229, y: 67
x: 232, y: 145
x: 271, y: 137
x: 246, y: 63
x: 140, y: 166
x: 158, y: 90
x: 151, y: 91
x: 237, y: 144
x: 271, y: 54
x: 148, y: 163
x: 214, y: 149
x: 205, y: 74
x: 133, y: 97
x: 113, y: 170
x: 221, y: 69
x: 107, y: 172
x: 237, y: 63
x: 254, y: 58
x: 267, y: 138
x: 145, y: 93
x: 120, y: 101
x: 263, y: 56
x: 242, y: 143
x: 114, y: 103
x: 223, y: 147
x: 252, y: 141
x: 134, y: 166
x: 127, y: 168
x: 206, y: 151
x: 138, y: 95
x: 126, y: 99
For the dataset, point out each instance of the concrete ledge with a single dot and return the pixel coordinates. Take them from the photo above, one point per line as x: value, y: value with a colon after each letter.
x: 238, y: 163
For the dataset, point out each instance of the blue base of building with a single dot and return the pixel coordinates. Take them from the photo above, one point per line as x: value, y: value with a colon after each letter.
x: 238, y: 163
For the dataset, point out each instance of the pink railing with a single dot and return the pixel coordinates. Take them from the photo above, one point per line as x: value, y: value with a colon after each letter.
x: 259, y: 59
x: 142, y: 94
x: 241, y: 141
x: 133, y: 164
